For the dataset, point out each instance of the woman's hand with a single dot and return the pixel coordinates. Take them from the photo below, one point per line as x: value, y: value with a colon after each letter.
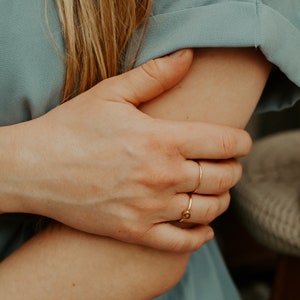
x: 99, y: 165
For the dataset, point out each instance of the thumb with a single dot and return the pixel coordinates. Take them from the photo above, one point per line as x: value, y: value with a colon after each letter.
x: 150, y: 79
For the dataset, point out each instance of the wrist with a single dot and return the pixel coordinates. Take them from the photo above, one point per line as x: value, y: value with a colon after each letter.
x: 15, y: 189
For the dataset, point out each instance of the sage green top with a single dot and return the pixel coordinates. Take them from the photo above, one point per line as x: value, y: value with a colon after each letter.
x: 31, y: 76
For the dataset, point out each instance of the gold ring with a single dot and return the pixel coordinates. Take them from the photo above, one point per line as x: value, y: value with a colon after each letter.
x: 200, y: 176
x: 186, y: 214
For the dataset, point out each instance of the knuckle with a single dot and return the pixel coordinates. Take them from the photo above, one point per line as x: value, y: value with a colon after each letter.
x: 157, y: 178
x: 164, y: 179
x: 228, y: 144
x: 159, y: 170
x: 212, y: 211
x: 154, y: 140
x: 225, y: 181
x: 160, y: 177
x: 153, y: 71
x: 160, y: 138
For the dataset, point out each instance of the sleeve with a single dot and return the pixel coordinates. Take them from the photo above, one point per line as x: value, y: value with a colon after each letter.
x: 272, y: 26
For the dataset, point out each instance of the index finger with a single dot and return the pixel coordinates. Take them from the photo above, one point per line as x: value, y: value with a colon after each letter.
x: 201, y: 140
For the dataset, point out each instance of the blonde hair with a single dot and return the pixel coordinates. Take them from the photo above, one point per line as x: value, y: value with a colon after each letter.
x: 96, y: 34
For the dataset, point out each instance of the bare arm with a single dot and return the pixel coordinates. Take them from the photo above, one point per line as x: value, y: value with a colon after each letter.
x: 66, y: 263
x: 89, y: 163
x: 223, y: 86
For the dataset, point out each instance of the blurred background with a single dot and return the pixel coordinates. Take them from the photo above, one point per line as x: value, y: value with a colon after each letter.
x: 260, y: 272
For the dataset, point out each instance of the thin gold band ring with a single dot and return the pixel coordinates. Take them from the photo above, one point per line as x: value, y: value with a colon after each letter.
x: 200, y: 177
x: 186, y: 214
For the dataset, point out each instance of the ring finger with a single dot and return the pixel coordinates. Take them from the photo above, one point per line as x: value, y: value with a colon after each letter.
x: 217, y: 177
x: 197, y: 209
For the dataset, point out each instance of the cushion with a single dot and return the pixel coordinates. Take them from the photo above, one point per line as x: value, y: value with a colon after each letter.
x: 267, y: 199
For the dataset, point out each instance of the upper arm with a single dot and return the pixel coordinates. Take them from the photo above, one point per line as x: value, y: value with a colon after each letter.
x: 222, y: 86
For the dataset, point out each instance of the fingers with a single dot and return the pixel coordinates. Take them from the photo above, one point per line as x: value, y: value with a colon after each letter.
x: 218, y: 177
x: 167, y: 237
x: 195, y: 140
x: 149, y: 80
x: 207, y: 176
x: 202, y: 210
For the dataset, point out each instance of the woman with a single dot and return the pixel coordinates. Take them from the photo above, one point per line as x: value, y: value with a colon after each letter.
x: 64, y: 239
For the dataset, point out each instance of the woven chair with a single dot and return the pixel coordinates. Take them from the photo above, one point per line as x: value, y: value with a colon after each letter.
x: 267, y: 202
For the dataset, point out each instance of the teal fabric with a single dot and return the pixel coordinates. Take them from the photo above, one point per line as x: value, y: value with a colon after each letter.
x: 271, y: 25
x: 31, y: 72
x: 31, y: 76
x: 206, y: 278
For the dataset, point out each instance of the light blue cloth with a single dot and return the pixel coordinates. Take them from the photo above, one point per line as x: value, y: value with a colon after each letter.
x: 31, y: 76
x: 271, y: 25
x: 206, y: 278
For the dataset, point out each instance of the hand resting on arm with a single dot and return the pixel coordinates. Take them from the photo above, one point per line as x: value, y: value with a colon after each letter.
x: 99, y: 165
x: 66, y: 263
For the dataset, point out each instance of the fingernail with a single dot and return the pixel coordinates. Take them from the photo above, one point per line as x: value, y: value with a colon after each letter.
x: 178, y: 53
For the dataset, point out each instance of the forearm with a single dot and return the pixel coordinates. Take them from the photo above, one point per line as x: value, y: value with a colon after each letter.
x: 62, y: 263
x: 97, y: 255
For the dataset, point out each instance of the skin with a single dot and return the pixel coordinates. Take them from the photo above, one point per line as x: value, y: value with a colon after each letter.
x: 214, y: 95
x: 118, y: 172
x: 132, y: 271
